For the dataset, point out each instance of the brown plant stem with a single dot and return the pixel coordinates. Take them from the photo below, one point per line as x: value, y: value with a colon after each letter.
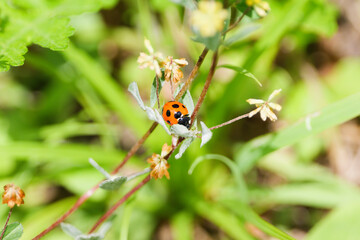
x: 230, y: 121
x: 206, y: 87
x: 121, y: 201
x: 132, y: 151
x: 192, y: 74
x: 238, y: 21
x: 78, y: 203
x: 147, y: 179
x: 6, y: 223
x: 135, y: 147
x: 157, y: 91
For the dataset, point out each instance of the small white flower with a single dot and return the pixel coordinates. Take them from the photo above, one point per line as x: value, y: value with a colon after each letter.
x: 265, y: 107
x: 209, y: 18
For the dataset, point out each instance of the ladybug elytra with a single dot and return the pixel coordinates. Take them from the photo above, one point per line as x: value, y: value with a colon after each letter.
x: 176, y: 113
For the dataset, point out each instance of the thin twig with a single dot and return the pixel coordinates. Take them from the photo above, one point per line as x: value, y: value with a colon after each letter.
x: 192, y: 74
x: 7, y: 221
x: 132, y: 151
x: 134, y: 148
x: 230, y: 121
x: 206, y: 87
x: 238, y: 21
x: 157, y: 90
x: 78, y: 203
x: 172, y: 86
x: 121, y: 201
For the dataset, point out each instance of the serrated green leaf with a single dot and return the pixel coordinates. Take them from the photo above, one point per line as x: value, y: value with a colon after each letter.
x: 242, y: 71
x: 206, y: 134
x: 113, y: 183
x: 13, y: 231
x: 70, y: 230
x: 38, y: 22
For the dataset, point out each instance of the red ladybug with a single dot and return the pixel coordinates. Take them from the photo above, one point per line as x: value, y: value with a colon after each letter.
x: 176, y: 113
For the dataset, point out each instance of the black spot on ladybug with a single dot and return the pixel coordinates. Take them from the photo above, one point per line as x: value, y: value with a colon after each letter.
x: 183, y: 106
x: 168, y: 113
x: 175, y: 105
x: 168, y: 121
x: 177, y: 115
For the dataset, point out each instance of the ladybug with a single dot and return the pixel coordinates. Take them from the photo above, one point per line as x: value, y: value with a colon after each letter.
x: 176, y: 113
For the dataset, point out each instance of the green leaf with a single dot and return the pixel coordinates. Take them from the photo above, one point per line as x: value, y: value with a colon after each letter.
x: 99, y: 168
x: 134, y: 90
x: 113, y: 183
x: 93, y: 236
x: 182, y: 225
x: 242, y: 71
x: 154, y: 115
x: 38, y: 22
x: 211, y: 43
x: 13, y: 231
x: 180, y: 130
x: 186, y: 143
x: 224, y: 219
x: 250, y: 12
x: 106, y: 86
x: 341, y: 223
x: 188, y: 102
x: 206, y: 134
x: 249, y: 215
x: 319, y: 195
x: 153, y: 95
x: 243, y: 192
x: 322, y: 19
x: 332, y: 115
x: 241, y: 34
x: 35, y: 151
x: 70, y: 230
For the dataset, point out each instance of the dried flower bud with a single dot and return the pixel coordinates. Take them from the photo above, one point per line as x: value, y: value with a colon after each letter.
x: 13, y: 195
x: 159, y: 164
x: 172, y: 69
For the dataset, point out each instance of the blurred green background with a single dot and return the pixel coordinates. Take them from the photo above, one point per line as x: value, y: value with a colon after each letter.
x: 62, y: 107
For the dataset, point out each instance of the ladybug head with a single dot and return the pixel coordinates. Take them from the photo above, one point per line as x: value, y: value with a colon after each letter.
x: 185, y: 121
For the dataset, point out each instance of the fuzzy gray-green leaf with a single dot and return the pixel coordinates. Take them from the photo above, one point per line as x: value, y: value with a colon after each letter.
x: 13, y: 231
x: 113, y: 183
